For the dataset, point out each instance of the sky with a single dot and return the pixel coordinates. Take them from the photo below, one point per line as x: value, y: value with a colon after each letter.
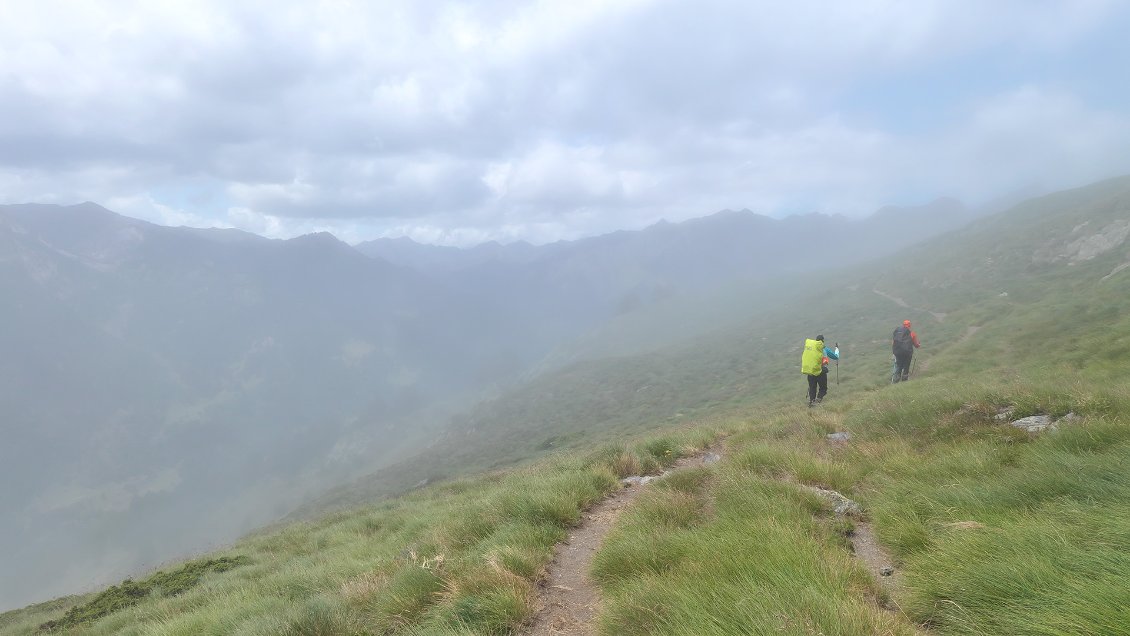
x: 460, y: 122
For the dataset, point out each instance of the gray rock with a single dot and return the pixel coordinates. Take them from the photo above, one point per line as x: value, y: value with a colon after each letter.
x: 841, y: 505
x: 842, y: 436
x: 632, y: 481
x: 886, y: 571
x: 711, y: 458
x: 1035, y: 423
x: 647, y: 480
x: 1070, y: 418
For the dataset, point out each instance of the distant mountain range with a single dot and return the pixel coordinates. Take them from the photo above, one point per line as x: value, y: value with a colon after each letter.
x: 1050, y: 274
x: 164, y: 389
x: 727, y: 244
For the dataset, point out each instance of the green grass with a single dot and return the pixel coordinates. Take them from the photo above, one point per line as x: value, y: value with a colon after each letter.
x: 763, y: 561
x: 995, y: 531
x: 458, y: 557
x: 130, y: 593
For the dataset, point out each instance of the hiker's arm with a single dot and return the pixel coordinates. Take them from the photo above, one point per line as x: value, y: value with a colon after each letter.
x: 914, y: 339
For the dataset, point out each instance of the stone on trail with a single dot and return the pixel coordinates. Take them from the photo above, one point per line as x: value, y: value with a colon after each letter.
x: 1035, y: 423
x: 711, y: 458
x: 841, y: 505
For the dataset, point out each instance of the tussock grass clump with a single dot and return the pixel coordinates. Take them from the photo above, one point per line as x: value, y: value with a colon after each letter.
x: 693, y: 481
x: 670, y: 509
x: 625, y: 465
x: 320, y: 616
x: 763, y: 564
x: 639, y: 552
x: 410, y: 590
x: 560, y: 502
x: 664, y: 451
x: 774, y: 460
x: 493, y: 602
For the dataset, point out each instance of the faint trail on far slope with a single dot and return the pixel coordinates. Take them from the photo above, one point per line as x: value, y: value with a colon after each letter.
x: 969, y: 332
x: 570, y: 600
x: 939, y: 316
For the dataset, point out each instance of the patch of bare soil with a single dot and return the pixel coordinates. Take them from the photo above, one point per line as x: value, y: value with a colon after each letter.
x: 570, y: 601
x: 874, y: 558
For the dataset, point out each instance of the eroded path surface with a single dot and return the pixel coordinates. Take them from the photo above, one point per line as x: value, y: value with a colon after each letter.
x: 874, y: 557
x: 939, y: 316
x: 570, y: 599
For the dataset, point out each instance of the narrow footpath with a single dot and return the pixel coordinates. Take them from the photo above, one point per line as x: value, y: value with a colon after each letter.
x: 570, y: 600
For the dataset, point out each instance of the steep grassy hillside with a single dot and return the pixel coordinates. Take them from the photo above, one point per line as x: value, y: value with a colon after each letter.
x: 1036, y: 285
x: 1039, y: 284
x: 461, y: 557
x: 992, y: 529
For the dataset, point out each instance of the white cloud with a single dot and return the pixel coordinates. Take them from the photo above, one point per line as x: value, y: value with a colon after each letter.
x: 533, y: 119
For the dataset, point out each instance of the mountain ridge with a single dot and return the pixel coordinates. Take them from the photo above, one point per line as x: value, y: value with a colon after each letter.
x: 358, y: 361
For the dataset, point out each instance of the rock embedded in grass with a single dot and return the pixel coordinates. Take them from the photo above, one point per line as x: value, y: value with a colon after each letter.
x: 1035, y: 423
x: 840, y: 437
x: 841, y: 505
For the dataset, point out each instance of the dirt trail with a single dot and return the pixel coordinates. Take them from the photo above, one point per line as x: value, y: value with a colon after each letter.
x: 938, y: 315
x: 570, y: 600
x: 874, y: 557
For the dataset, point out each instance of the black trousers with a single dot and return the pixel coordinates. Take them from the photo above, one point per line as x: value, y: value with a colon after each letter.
x: 818, y: 386
x: 902, y: 366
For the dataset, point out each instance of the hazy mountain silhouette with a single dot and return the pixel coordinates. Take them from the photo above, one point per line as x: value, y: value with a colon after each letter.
x: 168, y: 388
x: 1045, y: 264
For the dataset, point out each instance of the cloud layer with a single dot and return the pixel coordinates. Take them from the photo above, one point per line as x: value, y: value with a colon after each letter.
x: 459, y: 122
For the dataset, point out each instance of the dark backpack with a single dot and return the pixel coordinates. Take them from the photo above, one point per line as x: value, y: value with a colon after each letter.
x: 903, y: 344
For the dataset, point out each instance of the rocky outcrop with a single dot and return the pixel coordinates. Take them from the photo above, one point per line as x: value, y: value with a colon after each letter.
x: 1085, y: 247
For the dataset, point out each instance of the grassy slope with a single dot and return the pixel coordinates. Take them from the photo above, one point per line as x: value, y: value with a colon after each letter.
x: 1046, y: 550
x: 737, y: 549
x: 464, y: 553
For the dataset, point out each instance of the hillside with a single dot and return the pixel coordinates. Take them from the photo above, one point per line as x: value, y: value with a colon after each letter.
x: 965, y: 291
x: 1055, y: 264
x: 1026, y: 309
x: 990, y: 528
x: 148, y: 369
x: 204, y: 382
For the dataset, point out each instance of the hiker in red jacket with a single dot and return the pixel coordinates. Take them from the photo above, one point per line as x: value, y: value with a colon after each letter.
x: 903, y: 343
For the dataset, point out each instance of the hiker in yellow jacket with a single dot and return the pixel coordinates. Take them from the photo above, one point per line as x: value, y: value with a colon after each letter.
x: 814, y: 364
